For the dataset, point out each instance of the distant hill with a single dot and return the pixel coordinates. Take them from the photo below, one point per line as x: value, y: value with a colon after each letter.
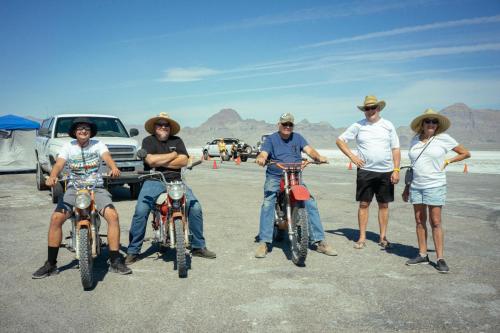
x: 476, y: 129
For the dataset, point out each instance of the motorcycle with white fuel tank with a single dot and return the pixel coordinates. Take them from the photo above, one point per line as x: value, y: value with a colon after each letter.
x: 170, y: 219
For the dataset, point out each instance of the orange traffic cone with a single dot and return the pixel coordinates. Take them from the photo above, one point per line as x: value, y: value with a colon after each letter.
x: 466, y: 168
x: 349, y: 167
x: 237, y: 160
x: 214, y: 165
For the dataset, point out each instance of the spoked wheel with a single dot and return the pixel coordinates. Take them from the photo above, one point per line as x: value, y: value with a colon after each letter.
x: 180, y: 247
x: 86, y: 260
x: 300, y: 237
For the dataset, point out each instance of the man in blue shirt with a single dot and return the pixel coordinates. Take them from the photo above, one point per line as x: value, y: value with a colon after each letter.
x: 286, y: 147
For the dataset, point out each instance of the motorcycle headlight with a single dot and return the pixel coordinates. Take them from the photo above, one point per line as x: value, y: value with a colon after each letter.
x: 82, y: 200
x: 176, y: 191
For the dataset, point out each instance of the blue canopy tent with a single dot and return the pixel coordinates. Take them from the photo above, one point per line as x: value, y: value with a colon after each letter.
x: 17, y: 138
x: 11, y: 122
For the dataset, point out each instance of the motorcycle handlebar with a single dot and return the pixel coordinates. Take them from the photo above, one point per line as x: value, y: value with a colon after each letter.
x: 284, y: 165
x: 194, y: 164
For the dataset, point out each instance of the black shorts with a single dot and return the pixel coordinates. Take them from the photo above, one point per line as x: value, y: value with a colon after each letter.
x: 369, y: 183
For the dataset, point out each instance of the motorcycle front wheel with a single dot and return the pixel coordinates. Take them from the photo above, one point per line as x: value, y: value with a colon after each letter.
x: 86, y: 260
x: 180, y: 247
x: 300, y: 237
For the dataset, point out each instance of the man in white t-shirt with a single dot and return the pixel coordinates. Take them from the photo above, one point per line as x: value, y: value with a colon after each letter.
x: 83, y: 157
x: 378, y: 157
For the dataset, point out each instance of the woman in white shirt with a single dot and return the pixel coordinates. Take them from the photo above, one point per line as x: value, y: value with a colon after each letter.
x: 427, y: 191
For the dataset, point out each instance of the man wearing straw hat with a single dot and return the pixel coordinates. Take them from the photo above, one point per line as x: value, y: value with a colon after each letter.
x: 377, y: 159
x: 166, y: 152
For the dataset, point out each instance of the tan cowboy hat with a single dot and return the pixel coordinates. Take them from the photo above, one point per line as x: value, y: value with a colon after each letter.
x: 444, y: 122
x: 370, y: 101
x: 150, y: 124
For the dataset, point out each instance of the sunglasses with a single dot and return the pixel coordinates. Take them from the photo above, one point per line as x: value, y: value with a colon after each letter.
x: 83, y: 128
x: 371, y: 108
x: 166, y: 125
x: 431, y: 121
x: 287, y: 124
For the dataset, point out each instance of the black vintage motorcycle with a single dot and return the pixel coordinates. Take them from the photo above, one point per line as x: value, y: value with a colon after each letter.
x: 290, y: 215
x: 170, y: 219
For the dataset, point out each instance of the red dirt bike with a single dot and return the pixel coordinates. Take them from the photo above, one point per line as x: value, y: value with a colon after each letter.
x: 170, y: 220
x: 290, y: 214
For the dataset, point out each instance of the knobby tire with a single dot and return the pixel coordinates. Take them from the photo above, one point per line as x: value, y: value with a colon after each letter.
x: 300, y: 239
x: 86, y: 260
x: 180, y: 248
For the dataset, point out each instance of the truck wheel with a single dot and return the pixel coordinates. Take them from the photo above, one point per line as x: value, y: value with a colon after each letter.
x: 135, y: 189
x: 248, y: 150
x: 56, y: 191
x: 40, y: 178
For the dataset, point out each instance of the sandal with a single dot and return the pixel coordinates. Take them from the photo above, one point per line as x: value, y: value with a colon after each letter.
x: 385, y: 244
x: 359, y: 245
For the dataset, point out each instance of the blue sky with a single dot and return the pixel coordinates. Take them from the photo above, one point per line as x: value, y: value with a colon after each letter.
x: 316, y: 59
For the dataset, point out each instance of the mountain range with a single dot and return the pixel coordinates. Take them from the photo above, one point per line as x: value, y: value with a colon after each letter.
x: 475, y: 129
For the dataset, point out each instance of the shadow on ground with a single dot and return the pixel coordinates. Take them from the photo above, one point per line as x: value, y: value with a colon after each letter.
x: 398, y: 249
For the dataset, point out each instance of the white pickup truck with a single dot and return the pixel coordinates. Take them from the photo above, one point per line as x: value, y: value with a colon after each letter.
x: 53, y: 133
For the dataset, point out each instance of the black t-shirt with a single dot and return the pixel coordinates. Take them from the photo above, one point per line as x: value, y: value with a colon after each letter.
x: 154, y: 146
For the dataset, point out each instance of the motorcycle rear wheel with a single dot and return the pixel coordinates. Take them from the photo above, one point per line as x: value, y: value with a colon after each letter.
x: 300, y: 237
x: 180, y: 247
x: 86, y: 260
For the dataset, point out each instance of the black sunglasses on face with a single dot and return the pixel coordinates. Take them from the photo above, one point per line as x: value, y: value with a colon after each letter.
x: 287, y: 124
x: 166, y: 125
x: 83, y: 128
x: 431, y: 121
x: 370, y: 108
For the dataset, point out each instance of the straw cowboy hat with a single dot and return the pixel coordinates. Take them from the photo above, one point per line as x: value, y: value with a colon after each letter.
x: 371, y: 101
x: 444, y: 122
x: 150, y: 124
x: 82, y: 120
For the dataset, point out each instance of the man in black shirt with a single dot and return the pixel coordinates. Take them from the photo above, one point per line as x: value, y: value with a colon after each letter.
x: 166, y: 152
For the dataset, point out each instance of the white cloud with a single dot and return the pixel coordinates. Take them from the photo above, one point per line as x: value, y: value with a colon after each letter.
x: 187, y: 74
x: 411, y: 29
x: 310, y: 63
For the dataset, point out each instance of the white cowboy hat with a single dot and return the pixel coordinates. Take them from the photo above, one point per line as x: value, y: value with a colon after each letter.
x: 371, y: 101
x: 444, y: 122
x: 150, y: 124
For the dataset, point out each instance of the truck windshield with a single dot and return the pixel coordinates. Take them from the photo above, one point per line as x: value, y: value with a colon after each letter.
x: 110, y: 127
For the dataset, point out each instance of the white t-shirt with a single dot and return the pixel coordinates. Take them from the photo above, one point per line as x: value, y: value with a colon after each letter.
x: 375, y: 143
x: 84, y: 162
x: 427, y: 171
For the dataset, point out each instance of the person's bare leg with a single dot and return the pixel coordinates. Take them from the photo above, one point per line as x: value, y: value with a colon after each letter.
x: 437, y: 231
x: 111, y: 217
x: 363, y: 211
x: 383, y: 219
x: 421, y: 227
x: 55, y: 228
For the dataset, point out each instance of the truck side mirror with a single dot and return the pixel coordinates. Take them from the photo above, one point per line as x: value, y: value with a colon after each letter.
x: 43, y: 132
x: 141, y: 153
x: 134, y: 132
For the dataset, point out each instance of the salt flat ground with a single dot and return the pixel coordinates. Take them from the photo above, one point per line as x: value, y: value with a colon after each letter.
x: 359, y: 290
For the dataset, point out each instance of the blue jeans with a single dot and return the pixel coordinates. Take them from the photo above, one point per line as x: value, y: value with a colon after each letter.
x: 150, y: 191
x: 271, y: 188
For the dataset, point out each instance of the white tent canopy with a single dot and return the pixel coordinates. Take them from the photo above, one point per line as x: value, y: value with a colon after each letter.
x: 17, y: 137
